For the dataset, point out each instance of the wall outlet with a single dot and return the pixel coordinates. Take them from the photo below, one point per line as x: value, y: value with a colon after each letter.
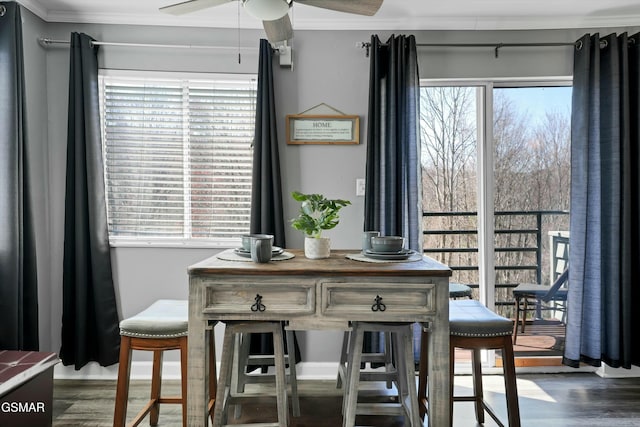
x: 360, y: 187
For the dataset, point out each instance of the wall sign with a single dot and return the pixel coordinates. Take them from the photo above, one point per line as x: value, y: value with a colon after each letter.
x: 322, y: 129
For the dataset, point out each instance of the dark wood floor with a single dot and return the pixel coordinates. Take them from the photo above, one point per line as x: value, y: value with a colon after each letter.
x: 550, y: 400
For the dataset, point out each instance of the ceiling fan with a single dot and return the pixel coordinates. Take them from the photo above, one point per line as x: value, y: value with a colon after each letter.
x: 273, y: 13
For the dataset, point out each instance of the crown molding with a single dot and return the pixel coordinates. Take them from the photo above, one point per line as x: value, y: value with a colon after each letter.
x: 227, y: 18
x: 35, y: 7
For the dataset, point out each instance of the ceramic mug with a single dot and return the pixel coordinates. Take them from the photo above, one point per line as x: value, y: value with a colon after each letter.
x: 261, y: 247
x: 246, y: 240
x: 366, y: 239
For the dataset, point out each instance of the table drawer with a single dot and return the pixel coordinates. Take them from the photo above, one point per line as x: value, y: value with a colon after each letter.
x: 378, y: 301
x: 246, y: 301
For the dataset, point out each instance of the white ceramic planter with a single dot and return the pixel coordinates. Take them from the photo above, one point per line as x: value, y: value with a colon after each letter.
x: 317, y: 248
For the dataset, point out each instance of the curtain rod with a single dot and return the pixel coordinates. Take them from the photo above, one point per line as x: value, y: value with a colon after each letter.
x: 495, y: 46
x: 46, y: 42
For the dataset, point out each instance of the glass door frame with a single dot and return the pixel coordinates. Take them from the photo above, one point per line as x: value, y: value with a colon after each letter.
x: 485, y: 171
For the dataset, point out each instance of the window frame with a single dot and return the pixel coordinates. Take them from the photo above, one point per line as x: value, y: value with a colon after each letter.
x: 165, y: 242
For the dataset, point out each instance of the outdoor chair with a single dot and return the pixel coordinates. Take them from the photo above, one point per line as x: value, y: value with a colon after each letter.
x: 552, y: 298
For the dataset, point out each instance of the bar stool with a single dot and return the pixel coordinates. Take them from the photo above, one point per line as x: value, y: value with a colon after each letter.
x: 226, y: 396
x: 243, y: 342
x: 402, y: 344
x: 458, y: 290
x: 162, y: 326
x: 383, y: 358
x: 474, y: 327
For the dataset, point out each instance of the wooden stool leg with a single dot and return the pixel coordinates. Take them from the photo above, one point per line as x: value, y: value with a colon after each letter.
x: 353, y: 376
x: 122, y: 389
x: 388, y: 356
x: 213, y: 375
x: 478, y: 393
x: 342, y: 368
x: 511, y: 389
x: 184, y: 356
x: 281, y: 378
x: 396, y: 339
x: 293, y: 376
x: 516, y: 324
x: 224, y: 383
x: 240, y: 364
x: 407, y: 373
x: 525, y: 309
x: 422, y: 373
x: 156, y: 382
x: 244, y: 341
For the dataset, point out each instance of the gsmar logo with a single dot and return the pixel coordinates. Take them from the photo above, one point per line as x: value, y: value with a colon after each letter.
x: 22, y: 407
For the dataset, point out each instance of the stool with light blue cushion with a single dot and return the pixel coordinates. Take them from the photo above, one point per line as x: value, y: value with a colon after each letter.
x: 162, y: 326
x: 474, y: 327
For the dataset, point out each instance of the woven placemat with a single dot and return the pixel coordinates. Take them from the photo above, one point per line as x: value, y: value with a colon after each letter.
x: 363, y: 258
x: 230, y: 255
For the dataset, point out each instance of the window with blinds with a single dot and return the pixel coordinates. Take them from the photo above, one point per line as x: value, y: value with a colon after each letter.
x: 177, y: 155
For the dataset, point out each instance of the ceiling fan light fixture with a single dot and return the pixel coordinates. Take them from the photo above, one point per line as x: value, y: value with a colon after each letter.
x: 266, y: 10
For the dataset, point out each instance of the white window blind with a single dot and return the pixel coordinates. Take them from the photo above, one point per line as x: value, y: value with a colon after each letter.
x: 177, y: 155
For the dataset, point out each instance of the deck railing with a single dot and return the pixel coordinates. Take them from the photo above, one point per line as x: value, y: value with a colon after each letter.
x: 530, y: 255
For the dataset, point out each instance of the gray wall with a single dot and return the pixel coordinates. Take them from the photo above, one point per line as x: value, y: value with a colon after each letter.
x: 38, y: 150
x: 328, y: 68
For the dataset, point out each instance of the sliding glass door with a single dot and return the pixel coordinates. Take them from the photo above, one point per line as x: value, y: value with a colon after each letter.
x: 496, y: 173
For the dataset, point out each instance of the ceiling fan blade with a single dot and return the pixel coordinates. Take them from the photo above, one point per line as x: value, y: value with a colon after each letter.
x: 191, y: 6
x: 359, y: 7
x: 278, y: 30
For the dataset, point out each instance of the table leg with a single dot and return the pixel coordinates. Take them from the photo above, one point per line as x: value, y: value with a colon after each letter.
x: 197, y: 366
x: 439, y: 412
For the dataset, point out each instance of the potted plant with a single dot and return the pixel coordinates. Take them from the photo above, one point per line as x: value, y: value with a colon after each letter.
x: 317, y: 213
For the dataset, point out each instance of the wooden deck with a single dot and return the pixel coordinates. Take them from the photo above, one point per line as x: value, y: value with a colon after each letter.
x: 542, y: 344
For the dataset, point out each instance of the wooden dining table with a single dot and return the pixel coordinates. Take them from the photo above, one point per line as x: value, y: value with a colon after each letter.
x: 313, y: 294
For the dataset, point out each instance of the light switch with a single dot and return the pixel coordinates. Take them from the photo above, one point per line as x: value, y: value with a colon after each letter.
x: 360, y: 187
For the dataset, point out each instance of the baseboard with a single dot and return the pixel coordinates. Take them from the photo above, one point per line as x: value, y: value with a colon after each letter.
x: 606, y: 371
x: 141, y: 370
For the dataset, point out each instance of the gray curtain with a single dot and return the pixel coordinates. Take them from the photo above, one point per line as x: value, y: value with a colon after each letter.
x: 605, y: 231
x: 18, y: 277
x: 90, y: 316
x: 392, y: 202
x: 392, y: 196
x: 267, y: 215
x: 266, y: 192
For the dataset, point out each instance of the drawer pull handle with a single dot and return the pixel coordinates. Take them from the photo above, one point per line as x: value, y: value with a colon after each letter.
x: 258, y: 305
x: 378, y: 305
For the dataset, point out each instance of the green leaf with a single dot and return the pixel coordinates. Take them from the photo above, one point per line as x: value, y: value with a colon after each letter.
x: 317, y: 213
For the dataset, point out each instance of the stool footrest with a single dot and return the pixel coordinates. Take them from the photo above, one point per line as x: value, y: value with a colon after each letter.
x: 171, y: 400
x: 253, y: 425
x: 377, y: 409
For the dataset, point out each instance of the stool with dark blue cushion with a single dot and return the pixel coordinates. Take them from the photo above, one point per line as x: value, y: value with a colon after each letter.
x: 474, y: 327
x: 458, y: 290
